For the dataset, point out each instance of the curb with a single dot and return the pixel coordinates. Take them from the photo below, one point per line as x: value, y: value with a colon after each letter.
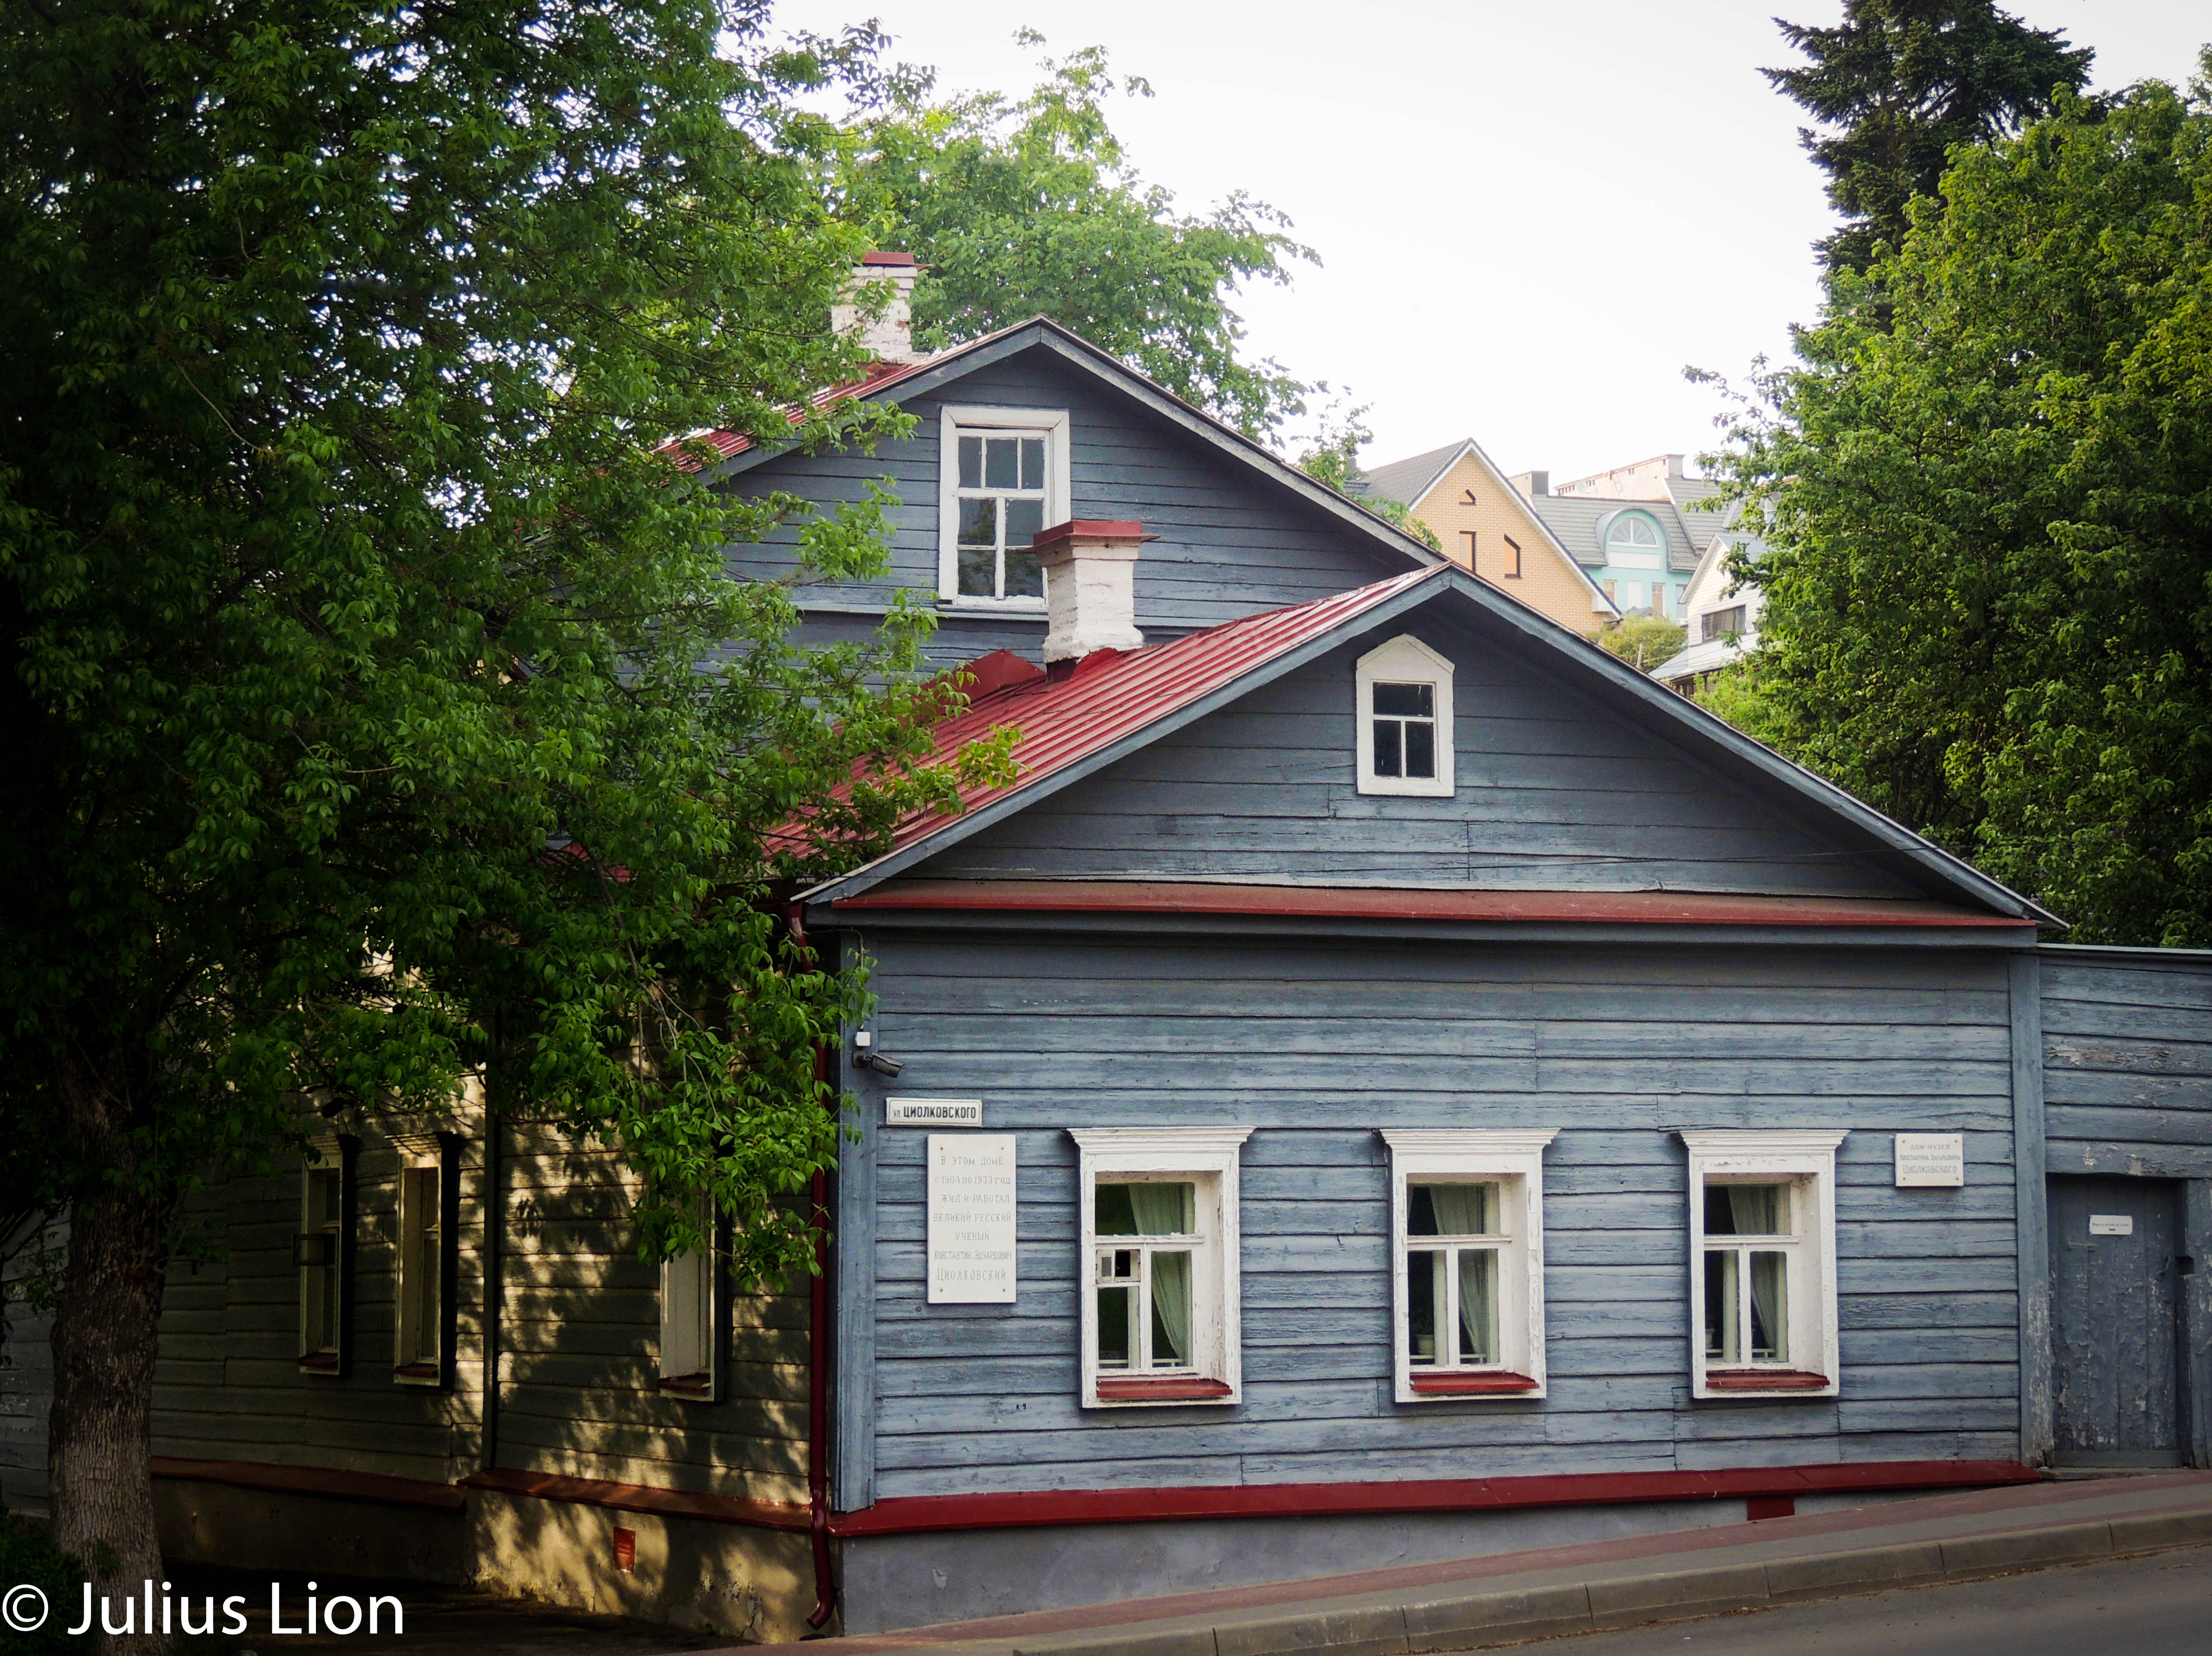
x: 1482, y: 1620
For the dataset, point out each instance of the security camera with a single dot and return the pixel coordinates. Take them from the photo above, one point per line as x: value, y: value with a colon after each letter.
x: 881, y: 1063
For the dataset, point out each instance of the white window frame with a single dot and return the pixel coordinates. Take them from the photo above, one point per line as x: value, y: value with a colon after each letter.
x: 951, y: 421
x: 1513, y: 1160
x: 1206, y: 1157
x: 1806, y: 1161
x: 690, y: 1350
x: 418, y: 1326
x: 327, y: 1221
x: 1404, y: 660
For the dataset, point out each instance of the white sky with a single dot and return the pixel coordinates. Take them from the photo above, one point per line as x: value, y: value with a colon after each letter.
x: 1529, y: 218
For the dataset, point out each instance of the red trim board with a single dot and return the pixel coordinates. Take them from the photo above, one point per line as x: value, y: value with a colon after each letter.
x: 376, y: 1487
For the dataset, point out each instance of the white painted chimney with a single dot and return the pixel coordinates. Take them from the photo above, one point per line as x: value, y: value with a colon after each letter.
x: 1090, y: 587
x: 889, y: 336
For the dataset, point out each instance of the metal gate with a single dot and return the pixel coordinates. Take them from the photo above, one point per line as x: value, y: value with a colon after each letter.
x: 2115, y: 1317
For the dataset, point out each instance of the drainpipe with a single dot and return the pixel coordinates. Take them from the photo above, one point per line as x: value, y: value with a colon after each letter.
x: 818, y: 1358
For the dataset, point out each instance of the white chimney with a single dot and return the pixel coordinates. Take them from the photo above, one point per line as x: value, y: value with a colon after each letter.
x: 1090, y: 587
x: 889, y: 336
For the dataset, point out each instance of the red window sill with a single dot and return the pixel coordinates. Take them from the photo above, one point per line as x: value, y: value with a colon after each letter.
x: 689, y: 1386
x: 1763, y: 1379
x: 1180, y: 1388
x: 1479, y: 1383
x: 324, y: 1363
x: 417, y: 1371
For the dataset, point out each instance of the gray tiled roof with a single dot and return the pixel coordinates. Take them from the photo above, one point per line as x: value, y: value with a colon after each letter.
x: 1575, y: 518
x: 1406, y: 481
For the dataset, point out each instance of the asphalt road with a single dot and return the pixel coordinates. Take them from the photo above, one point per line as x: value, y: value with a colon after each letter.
x: 2160, y: 1605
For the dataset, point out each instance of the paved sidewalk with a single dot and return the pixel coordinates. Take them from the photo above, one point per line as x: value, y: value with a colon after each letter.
x: 1472, y: 1603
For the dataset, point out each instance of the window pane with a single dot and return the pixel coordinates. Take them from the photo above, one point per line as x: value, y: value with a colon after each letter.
x: 1113, y: 1213
x: 1461, y: 1210
x: 1420, y: 747
x: 1478, y: 1305
x: 1024, y: 572
x: 979, y: 572
x: 979, y: 523
x: 1387, y: 762
x: 1420, y: 1211
x: 1721, y: 1310
x: 971, y: 463
x: 1770, y: 1308
x: 1747, y: 1210
x: 1423, y: 1282
x: 1001, y: 462
x: 1024, y: 518
x: 1112, y: 1328
x: 1171, y: 1310
x: 1406, y: 700
x: 1032, y: 462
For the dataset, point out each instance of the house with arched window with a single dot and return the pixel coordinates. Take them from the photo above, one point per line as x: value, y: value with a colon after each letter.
x: 1637, y: 530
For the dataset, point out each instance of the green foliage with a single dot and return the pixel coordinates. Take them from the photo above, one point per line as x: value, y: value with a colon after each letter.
x: 1029, y: 207
x: 1990, y: 595
x: 354, y: 715
x: 1331, y: 456
x: 1644, y: 641
x: 28, y: 1557
x: 1900, y: 83
x: 1738, y: 695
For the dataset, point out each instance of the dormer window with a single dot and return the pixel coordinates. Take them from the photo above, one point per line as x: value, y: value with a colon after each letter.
x: 1003, y: 478
x: 1631, y: 540
x: 1404, y: 714
x: 1632, y: 530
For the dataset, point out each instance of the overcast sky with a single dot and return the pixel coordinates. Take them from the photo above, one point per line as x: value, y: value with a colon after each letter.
x: 1529, y: 218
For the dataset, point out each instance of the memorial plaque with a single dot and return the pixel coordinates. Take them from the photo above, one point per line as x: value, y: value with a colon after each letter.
x: 971, y: 1218
x: 2112, y: 1224
x: 1931, y: 1159
x: 933, y: 1112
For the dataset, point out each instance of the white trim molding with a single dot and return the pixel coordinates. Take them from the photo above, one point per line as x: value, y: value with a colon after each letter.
x: 952, y: 421
x: 1512, y: 1160
x: 1803, y: 1162
x: 1404, y: 659
x: 1207, y: 1158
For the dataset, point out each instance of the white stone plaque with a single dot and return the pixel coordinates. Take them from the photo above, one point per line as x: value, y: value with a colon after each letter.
x: 2112, y: 1224
x: 933, y: 1112
x: 971, y: 1218
x: 1931, y: 1158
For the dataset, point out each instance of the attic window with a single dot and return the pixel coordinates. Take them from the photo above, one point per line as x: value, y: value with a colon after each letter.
x: 1403, y: 712
x: 1629, y: 530
x: 1002, y: 478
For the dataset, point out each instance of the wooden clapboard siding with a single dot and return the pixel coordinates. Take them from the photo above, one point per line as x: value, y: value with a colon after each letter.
x: 1554, y: 790
x: 1316, y: 1048
x: 2127, y: 1054
x: 26, y: 1386
x: 579, y: 1391
x: 1230, y: 543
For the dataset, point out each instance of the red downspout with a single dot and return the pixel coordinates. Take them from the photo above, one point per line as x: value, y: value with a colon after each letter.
x: 818, y: 1358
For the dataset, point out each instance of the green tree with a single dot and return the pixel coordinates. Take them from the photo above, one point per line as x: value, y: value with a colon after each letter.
x: 377, y: 710
x: 1020, y: 207
x: 1989, y: 596
x: 1899, y: 83
x: 1644, y: 641
x: 1331, y: 456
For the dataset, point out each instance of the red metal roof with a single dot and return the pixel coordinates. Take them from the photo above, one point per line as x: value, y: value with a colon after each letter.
x: 1068, y: 713
x: 1401, y: 903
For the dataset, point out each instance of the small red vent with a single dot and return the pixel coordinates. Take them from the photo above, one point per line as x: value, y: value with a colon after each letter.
x: 626, y: 1552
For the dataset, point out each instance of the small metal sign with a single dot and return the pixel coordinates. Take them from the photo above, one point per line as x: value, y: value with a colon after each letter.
x: 971, y: 1218
x: 1937, y: 1159
x: 933, y: 1112
x: 2112, y: 1224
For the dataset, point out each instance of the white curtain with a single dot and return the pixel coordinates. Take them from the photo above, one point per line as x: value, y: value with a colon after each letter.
x: 1770, y: 1317
x: 1462, y: 1210
x: 1757, y: 1210
x: 1478, y: 1304
x: 1163, y: 1209
x: 1171, y: 1308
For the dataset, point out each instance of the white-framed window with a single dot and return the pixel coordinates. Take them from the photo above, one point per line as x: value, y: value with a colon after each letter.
x: 1159, y: 1246
x: 1632, y: 542
x: 690, y: 1350
x: 1763, y: 1263
x: 418, y: 1354
x: 1002, y: 478
x: 1467, y: 1249
x: 318, y: 1251
x: 1403, y: 709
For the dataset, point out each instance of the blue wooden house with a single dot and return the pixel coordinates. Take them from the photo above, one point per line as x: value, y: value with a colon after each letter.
x: 1387, y: 1081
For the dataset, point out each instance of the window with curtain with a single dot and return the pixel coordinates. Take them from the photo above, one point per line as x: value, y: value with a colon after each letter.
x: 319, y: 1254
x: 1762, y: 1222
x: 1147, y: 1232
x: 1749, y: 1240
x: 690, y: 1330
x: 1467, y: 1232
x: 421, y: 1254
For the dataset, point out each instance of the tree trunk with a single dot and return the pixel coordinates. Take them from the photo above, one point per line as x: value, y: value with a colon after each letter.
x: 104, y: 1337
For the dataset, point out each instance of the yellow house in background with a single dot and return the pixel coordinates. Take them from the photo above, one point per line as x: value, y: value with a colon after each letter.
x: 1487, y: 526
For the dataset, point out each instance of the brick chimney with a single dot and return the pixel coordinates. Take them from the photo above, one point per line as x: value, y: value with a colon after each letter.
x: 888, y: 337
x: 1090, y: 587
